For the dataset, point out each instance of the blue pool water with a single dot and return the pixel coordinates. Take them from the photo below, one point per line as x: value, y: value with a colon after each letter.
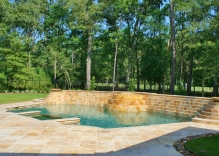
x: 99, y: 116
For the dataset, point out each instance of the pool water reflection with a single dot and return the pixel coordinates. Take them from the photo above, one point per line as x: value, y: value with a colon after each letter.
x: 99, y: 116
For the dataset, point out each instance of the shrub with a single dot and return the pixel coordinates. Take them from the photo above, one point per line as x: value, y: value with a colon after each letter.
x: 92, y: 84
x: 180, y: 89
x: 131, y: 86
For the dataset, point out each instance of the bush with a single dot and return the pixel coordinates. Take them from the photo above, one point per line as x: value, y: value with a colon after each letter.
x: 15, y: 91
x: 180, y: 89
x: 131, y: 86
x: 92, y: 84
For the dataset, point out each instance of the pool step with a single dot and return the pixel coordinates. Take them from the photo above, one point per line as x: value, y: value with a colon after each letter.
x: 207, y: 117
x: 210, y: 115
x: 216, y: 107
x: 30, y: 113
x: 183, y: 109
x: 69, y: 121
x: 206, y: 121
x: 212, y: 110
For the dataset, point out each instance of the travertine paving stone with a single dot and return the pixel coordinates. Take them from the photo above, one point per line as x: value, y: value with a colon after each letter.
x: 23, y: 136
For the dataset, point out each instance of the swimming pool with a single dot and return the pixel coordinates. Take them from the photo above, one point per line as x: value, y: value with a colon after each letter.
x: 100, y: 116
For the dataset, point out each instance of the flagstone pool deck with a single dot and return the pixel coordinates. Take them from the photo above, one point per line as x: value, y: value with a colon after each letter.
x: 23, y: 136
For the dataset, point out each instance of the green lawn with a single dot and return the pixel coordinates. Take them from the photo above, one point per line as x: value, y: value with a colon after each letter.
x: 206, y: 146
x: 10, y: 98
x: 197, y: 88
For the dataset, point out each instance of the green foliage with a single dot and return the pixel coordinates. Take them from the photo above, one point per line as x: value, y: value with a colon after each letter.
x: 93, y: 84
x: 11, y: 98
x: 180, y: 89
x: 132, y: 84
x: 3, y: 82
x: 41, y: 44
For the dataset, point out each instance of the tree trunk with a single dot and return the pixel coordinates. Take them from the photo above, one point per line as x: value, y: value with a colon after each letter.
x: 173, y: 67
x: 164, y: 82
x: 114, y: 68
x: 138, y: 75
x: 127, y: 75
x: 88, y: 67
x: 29, y: 59
x: 182, y: 53
x: 127, y: 72
x: 55, y: 85
x: 181, y: 67
x: 189, y: 79
x: 133, y: 39
x: 203, y: 86
x: 133, y: 72
x: 194, y: 90
x: 72, y: 57
x: 154, y: 87
x: 159, y: 87
x: 215, y: 88
x: 150, y: 83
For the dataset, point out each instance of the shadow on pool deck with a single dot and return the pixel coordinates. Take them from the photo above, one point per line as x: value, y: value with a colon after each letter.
x: 159, y: 146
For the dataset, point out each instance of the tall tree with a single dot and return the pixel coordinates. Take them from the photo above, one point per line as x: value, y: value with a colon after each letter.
x: 85, y: 16
x: 173, y: 46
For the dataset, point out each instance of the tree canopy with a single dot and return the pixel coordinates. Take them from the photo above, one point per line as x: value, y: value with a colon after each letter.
x: 47, y: 43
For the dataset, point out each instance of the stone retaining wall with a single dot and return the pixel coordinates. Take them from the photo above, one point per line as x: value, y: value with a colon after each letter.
x: 132, y: 101
x: 78, y: 97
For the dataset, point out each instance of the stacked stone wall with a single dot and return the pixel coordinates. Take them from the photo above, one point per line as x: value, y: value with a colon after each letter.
x: 132, y: 101
x: 78, y: 97
x: 180, y: 105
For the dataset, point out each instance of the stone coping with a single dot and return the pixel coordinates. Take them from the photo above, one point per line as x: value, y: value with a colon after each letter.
x: 25, y: 106
x: 55, y: 90
x: 143, y: 93
x: 215, y: 99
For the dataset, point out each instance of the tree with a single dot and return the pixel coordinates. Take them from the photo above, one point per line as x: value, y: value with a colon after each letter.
x: 84, y: 15
x: 173, y: 47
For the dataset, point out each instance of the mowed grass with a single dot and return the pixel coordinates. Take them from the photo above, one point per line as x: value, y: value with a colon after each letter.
x: 206, y: 146
x: 154, y: 87
x: 11, y: 98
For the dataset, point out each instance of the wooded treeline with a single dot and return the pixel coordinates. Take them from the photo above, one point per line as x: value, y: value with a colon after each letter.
x: 145, y: 41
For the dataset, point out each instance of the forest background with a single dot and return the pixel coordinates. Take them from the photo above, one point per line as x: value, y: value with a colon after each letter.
x: 143, y: 45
